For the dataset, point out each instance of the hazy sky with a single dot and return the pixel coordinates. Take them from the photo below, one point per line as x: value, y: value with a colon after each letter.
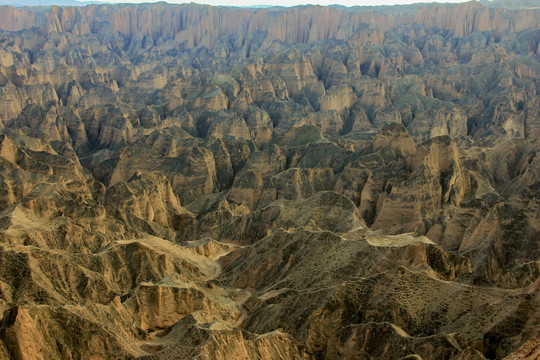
x: 298, y: 2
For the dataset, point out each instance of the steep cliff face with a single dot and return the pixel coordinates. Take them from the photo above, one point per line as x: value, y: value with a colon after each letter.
x: 185, y: 181
x: 471, y: 17
x: 201, y: 25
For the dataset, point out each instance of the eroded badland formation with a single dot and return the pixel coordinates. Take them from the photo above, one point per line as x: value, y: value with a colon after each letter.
x: 186, y: 181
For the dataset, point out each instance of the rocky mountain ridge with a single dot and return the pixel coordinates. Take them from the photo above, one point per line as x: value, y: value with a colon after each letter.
x: 199, y: 25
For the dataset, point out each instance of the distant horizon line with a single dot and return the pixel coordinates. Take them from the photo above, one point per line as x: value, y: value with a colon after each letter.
x: 281, y: 3
x: 238, y: 4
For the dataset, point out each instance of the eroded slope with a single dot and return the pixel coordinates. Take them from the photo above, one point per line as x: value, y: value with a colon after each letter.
x: 307, y: 183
